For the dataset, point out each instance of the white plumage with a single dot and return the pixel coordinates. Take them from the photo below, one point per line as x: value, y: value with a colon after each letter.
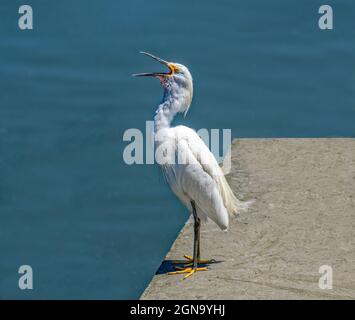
x: 190, y: 168
x: 197, y: 176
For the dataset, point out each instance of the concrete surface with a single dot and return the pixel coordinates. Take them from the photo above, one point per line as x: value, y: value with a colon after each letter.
x: 303, y: 217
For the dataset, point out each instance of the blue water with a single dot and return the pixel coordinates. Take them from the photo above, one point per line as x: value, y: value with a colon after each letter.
x: 91, y: 226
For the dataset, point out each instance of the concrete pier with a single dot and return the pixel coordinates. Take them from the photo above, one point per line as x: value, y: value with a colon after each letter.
x: 303, y: 218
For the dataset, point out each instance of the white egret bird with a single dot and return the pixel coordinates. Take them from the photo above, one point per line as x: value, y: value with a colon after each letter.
x: 191, y: 170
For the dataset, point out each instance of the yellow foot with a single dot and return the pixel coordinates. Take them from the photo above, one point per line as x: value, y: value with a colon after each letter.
x: 190, y: 271
x: 189, y: 261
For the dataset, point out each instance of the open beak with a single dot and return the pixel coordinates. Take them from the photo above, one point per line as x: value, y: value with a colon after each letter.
x: 157, y: 74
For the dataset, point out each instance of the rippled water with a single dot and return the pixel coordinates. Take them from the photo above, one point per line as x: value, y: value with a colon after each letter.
x: 91, y: 226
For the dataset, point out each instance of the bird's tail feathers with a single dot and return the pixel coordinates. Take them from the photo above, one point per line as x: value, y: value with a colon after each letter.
x: 231, y: 202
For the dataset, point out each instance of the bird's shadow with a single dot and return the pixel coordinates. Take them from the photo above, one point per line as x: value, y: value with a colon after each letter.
x: 169, y: 265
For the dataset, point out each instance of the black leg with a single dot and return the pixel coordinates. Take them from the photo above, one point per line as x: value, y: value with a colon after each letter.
x: 192, y: 266
x: 197, y: 225
x: 198, y: 241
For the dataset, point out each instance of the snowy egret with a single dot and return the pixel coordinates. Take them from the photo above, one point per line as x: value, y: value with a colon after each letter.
x: 191, y: 171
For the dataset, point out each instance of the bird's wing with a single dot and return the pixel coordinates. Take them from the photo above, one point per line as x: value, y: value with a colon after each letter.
x: 201, y: 178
